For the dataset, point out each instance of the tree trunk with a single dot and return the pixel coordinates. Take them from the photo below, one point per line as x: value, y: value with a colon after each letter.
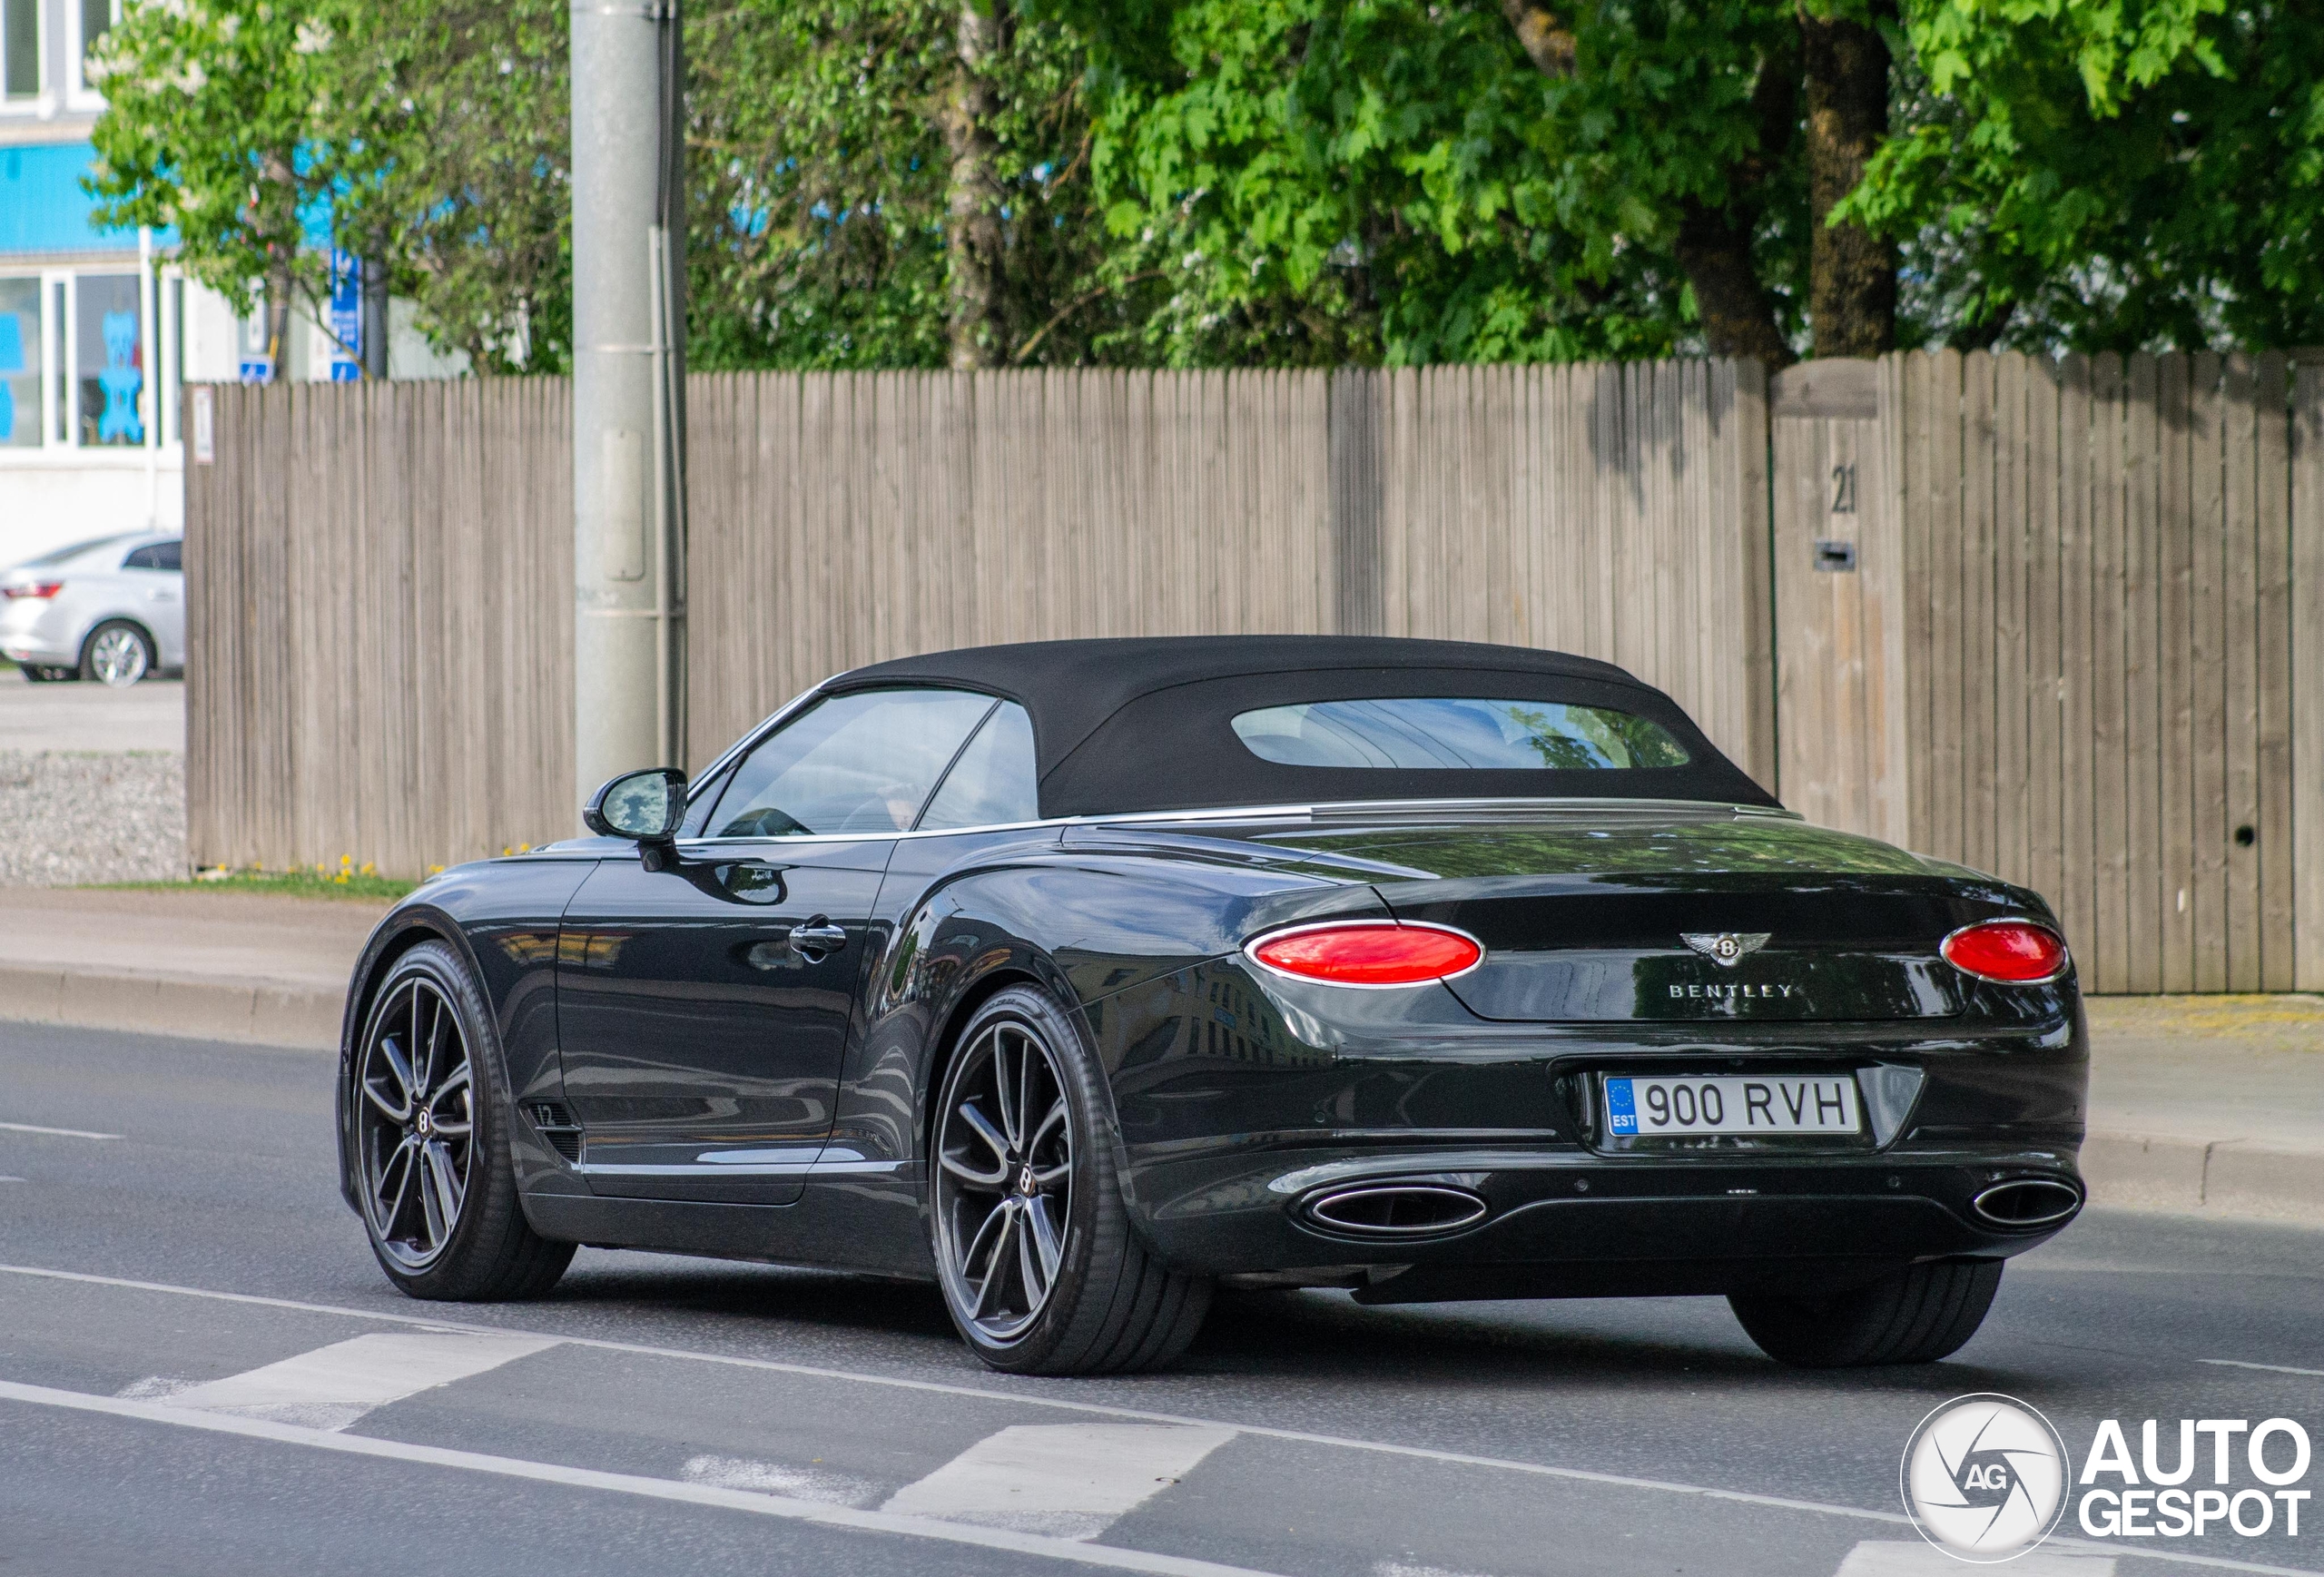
x: 1714, y: 246
x: 1852, y: 273
x: 278, y: 315
x: 1737, y: 319
x: 278, y: 222
x: 973, y: 203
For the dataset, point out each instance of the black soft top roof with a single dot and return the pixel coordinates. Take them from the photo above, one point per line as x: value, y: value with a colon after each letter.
x: 1145, y: 724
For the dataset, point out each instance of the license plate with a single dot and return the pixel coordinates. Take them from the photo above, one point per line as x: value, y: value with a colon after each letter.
x: 1639, y: 1107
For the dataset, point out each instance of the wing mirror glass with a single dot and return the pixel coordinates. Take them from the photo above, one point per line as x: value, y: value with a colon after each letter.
x: 645, y: 805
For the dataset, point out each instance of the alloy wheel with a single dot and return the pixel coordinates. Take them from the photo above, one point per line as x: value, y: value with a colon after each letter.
x: 1004, y: 1183
x: 117, y: 655
x: 415, y: 1113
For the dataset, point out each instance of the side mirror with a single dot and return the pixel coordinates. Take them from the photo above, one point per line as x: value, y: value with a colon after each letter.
x: 645, y: 805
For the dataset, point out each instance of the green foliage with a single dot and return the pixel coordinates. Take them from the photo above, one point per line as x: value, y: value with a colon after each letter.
x: 223, y: 120
x: 1203, y: 182
x: 818, y: 178
x: 456, y: 168
x: 2118, y: 174
x: 1394, y: 181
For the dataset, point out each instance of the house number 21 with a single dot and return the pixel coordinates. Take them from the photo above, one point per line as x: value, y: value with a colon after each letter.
x: 1844, y: 489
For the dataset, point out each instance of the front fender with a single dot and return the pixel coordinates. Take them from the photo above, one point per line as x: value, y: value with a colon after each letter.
x: 501, y: 917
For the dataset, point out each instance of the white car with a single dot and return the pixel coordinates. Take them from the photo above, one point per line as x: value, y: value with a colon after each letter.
x: 113, y: 610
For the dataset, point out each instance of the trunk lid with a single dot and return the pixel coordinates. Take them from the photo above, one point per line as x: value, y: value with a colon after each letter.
x: 1586, y: 914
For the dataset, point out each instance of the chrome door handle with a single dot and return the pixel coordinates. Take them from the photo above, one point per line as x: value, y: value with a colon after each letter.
x: 818, y: 935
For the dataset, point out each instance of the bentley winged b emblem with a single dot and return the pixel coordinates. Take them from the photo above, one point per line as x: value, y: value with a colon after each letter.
x: 1725, y: 948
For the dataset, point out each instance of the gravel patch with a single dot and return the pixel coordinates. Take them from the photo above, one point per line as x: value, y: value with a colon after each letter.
x: 68, y: 819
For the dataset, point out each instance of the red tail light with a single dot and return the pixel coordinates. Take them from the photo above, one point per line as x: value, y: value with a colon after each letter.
x: 1368, y: 952
x: 33, y: 589
x: 2014, y: 951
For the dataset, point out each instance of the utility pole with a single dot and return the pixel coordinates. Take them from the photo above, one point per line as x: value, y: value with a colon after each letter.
x: 628, y: 389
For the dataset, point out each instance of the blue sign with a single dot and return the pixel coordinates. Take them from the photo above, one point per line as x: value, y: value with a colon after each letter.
x: 346, y: 316
x: 257, y: 369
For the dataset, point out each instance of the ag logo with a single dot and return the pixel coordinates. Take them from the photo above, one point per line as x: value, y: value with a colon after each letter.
x: 1985, y: 1478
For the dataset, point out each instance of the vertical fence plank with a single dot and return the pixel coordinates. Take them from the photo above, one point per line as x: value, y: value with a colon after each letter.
x: 2208, y: 919
x: 1979, y: 683
x: 2235, y: 878
x: 2175, y: 543
x: 2272, y: 550
x: 2011, y: 549
x: 2143, y: 741
x: 2306, y: 597
x: 2045, y: 683
x: 2077, y: 894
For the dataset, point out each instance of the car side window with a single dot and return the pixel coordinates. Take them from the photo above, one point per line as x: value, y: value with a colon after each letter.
x: 145, y: 558
x: 994, y: 782
x: 860, y: 762
x: 169, y: 556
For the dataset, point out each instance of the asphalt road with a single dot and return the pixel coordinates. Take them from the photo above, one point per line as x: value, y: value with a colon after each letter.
x: 74, y: 715
x: 672, y: 1416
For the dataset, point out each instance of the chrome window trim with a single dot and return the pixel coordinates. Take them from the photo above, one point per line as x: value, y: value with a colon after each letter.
x: 1266, y: 813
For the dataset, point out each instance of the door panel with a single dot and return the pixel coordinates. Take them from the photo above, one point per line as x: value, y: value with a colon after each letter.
x: 701, y: 1049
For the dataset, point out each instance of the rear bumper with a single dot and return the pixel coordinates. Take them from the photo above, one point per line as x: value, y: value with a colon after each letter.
x: 1573, y: 1222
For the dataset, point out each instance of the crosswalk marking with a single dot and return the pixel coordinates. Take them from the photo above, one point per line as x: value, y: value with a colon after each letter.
x: 332, y: 1387
x: 668, y: 1490
x: 1878, y: 1558
x: 1067, y: 1481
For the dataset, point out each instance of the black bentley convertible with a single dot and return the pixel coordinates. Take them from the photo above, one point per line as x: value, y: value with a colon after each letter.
x: 1082, y: 978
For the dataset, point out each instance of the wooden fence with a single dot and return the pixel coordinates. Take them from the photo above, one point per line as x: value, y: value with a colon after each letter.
x: 2049, y: 618
x: 1620, y: 511
x: 379, y: 606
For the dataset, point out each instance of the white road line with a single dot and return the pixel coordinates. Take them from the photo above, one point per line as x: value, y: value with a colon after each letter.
x: 332, y: 1387
x: 1922, y: 1559
x: 1069, y: 1481
x: 2264, y: 1368
x: 57, y: 1132
x: 774, y: 1478
x: 660, y: 1489
x: 1100, y: 1409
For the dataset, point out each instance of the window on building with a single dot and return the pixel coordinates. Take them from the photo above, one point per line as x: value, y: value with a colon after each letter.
x: 20, y: 364
x: 97, y: 17
x: 109, y: 359
x: 174, y: 364
x: 63, y: 404
x: 20, y: 49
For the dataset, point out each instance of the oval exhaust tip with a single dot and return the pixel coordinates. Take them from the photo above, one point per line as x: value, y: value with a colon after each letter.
x: 1396, y: 1209
x: 2027, y: 1202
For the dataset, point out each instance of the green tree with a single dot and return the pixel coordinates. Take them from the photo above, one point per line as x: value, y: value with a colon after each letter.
x: 2114, y: 173
x: 221, y: 121
x: 865, y: 193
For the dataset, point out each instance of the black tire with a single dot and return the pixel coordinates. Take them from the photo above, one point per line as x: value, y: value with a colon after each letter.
x: 1110, y: 1307
x: 487, y: 1252
x: 93, y: 658
x: 1916, y: 1315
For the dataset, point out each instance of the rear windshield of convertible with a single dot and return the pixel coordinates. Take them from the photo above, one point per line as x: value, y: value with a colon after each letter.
x: 1453, y: 732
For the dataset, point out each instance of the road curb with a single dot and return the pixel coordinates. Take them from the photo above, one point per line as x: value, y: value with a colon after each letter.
x: 2206, y: 1177
x: 250, y: 1013
x: 2225, y: 1177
